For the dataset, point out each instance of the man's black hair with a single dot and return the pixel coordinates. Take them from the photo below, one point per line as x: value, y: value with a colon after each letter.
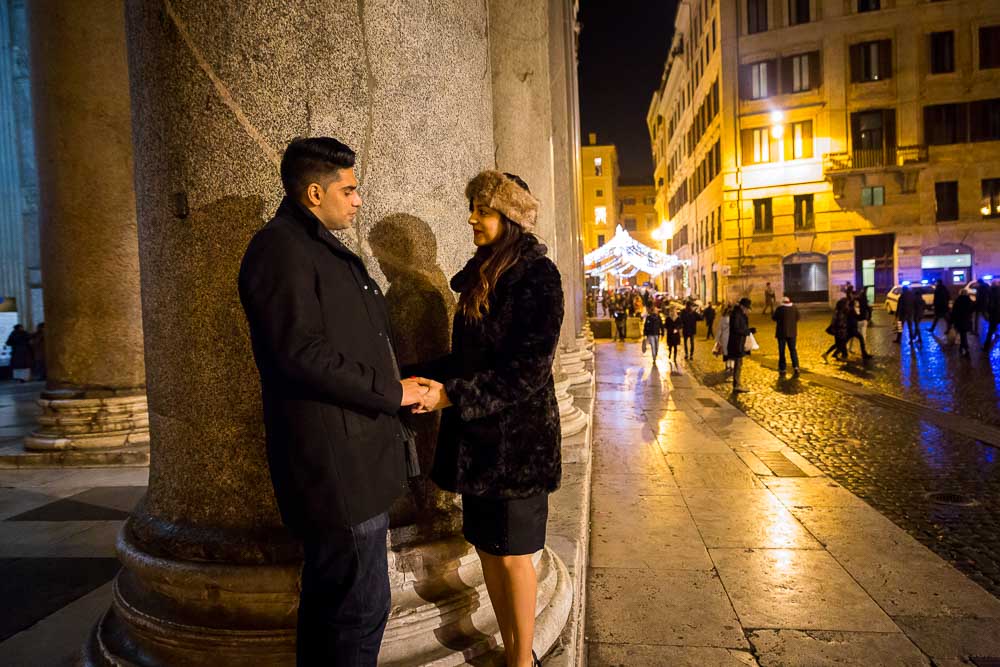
x: 312, y: 159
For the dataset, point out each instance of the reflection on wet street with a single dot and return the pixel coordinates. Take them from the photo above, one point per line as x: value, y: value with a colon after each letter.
x: 928, y: 462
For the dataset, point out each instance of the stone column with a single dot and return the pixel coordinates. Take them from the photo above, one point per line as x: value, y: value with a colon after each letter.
x: 95, y: 397
x: 210, y: 576
x: 13, y: 274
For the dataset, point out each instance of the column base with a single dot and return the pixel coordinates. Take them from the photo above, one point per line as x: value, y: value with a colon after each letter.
x: 575, y: 368
x: 167, y: 612
x: 76, y: 419
x: 571, y: 418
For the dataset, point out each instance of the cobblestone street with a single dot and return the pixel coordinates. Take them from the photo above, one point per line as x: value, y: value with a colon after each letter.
x: 932, y: 436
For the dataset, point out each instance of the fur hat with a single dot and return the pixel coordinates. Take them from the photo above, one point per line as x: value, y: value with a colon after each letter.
x: 499, y: 192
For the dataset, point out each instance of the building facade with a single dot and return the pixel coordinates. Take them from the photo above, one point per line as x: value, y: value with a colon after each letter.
x: 811, y: 143
x: 600, y: 213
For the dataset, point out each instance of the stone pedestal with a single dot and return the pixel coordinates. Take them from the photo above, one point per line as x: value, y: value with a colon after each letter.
x: 210, y: 576
x: 572, y: 419
x: 96, y: 397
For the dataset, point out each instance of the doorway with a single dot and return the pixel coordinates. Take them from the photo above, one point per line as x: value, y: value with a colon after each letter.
x: 874, y: 265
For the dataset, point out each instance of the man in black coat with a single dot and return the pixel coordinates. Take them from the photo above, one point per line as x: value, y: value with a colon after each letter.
x: 909, y: 310
x: 739, y: 329
x: 331, y: 394
x: 982, y: 304
x: 689, y: 328
x: 786, y: 330
x: 942, y: 300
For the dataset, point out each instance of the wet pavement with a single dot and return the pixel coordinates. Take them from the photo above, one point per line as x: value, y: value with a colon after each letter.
x: 888, y: 451
x: 714, y: 543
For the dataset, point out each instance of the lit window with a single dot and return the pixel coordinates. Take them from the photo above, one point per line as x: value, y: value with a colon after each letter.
x: 601, y: 215
x: 761, y: 145
x: 598, y: 166
x: 758, y: 81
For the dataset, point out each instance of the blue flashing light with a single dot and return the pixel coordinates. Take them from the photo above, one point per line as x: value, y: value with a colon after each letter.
x: 905, y: 283
x: 989, y: 277
x: 924, y: 282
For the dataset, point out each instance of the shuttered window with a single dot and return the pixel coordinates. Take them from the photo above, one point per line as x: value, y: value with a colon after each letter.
x: 759, y: 80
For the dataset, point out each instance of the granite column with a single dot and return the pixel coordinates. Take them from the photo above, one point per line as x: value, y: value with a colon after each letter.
x: 210, y: 576
x: 95, y: 397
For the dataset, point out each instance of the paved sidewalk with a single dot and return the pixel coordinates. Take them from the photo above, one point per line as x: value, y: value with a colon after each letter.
x: 712, y: 543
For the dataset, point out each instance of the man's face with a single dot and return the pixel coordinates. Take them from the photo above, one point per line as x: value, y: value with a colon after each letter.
x: 336, y: 204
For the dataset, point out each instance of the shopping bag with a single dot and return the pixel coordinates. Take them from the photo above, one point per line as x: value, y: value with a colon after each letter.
x: 751, y: 344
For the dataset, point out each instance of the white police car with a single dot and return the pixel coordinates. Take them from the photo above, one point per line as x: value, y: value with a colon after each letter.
x: 923, y: 288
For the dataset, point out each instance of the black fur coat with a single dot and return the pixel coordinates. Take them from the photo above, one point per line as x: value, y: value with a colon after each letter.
x: 501, y: 437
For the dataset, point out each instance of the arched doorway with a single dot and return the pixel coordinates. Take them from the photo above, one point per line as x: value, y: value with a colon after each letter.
x: 806, y: 277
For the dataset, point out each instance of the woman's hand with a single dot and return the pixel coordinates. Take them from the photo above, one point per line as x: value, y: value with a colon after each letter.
x: 434, y: 399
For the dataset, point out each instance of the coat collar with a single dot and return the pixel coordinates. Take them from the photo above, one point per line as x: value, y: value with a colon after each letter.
x: 531, y: 250
x: 293, y: 210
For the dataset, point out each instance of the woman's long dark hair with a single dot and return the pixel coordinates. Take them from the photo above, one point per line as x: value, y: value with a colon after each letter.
x: 496, y: 259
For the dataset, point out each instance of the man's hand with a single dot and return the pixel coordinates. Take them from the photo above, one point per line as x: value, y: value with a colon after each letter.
x: 435, y: 399
x: 414, y: 390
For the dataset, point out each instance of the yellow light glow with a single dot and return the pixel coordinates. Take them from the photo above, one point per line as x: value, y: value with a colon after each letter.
x: 664, y: 231
x: 777, y: 116
x: 601, y: 215
x: 985, y: 210
x: 777, y: 131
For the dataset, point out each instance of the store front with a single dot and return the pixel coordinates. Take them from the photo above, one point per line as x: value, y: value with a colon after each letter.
x: 950, y: 263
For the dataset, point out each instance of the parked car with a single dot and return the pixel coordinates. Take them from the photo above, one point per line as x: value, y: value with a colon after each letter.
x: 926, y: 293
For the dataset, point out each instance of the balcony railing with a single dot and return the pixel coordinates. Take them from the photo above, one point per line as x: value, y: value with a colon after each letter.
x: 874, y: 158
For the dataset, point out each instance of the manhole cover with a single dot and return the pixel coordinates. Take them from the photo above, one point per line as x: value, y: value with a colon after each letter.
x: 953, y: 499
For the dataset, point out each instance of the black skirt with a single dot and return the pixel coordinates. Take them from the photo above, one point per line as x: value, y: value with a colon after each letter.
x: 505, y: 526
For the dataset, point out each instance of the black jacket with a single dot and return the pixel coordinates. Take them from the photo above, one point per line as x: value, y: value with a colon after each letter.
x: 739, y: 329
x: 19, y: 343
x: 941, y: 300
x: 329, y: 382
x: 962, y: 312
x: 994, y: 303
x: 786, y: 320
x: 652, y: 325
x: 689, y: 322
x: 501, y: 437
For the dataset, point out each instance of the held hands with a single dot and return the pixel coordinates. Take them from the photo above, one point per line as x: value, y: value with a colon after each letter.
x: 422, y: 395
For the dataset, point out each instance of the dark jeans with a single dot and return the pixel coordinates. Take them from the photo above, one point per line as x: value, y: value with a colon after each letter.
x: 861, y: 340
x: 710, y: 333
x: 939, y: 317
x: 737, y: 371
x: 620, y: 326
x: 689, y: 347
x: 344, y: 603
x: 792, y: 352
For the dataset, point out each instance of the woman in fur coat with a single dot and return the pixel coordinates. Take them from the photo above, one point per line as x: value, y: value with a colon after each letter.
x: 499, y: 444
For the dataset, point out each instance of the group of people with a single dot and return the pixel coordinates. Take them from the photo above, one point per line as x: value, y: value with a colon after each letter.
x: 27, y: 353
x: 336, y: 402
x: 675, y: 325
x: 851, y: 316
x: 961, y: 317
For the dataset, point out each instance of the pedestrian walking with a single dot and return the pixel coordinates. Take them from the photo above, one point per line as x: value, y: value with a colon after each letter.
x: 864, y: 314
x: 689, y: 328
x: 19, y: 342
x: 621, y: 320
x: 739, y: 330
x: 786, y: 327
x: 942, y: 299
x: 982, y: 304
x: 652, y: 329
x: 39, y: 369
x: 709, y: 314
x: 909, y: 309
x: 722, y: 338
x: 672, y: 327
x: 994, y: 313
x: 768, y: 299
x: 853, y: 330
x: 962, y: 314
x: 838, y: 329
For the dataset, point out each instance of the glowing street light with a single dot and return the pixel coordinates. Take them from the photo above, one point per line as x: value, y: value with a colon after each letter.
x: 777, y: 124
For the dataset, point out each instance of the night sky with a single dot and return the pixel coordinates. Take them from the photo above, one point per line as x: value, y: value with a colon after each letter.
x: 623, y: 47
